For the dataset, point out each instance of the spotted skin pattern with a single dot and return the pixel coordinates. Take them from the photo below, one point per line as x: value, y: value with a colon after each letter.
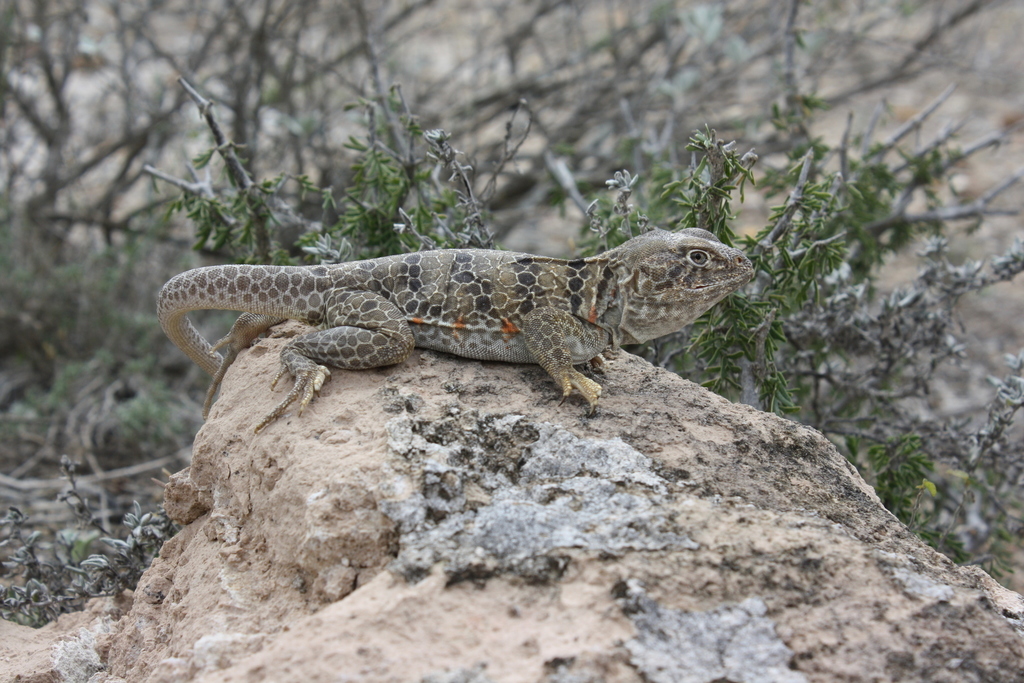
x: 475, y: 303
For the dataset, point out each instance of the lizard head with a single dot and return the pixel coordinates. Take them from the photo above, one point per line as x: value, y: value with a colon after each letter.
x: 668, y: 279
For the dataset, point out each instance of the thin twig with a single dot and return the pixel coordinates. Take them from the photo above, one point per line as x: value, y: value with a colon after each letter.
x: 979, y: 207
x: 844, y: 148
x: 799, y: 253
x: 794, y: 202
x: 509, y: 149
x: 869, y: 132
x: 373, y: 56
x: 58, y: 482
x: 789, y: 68
x: 913, y: 124
x: 258, y: 205
x: 903, y: 70
x: 198, y: 188
x: 559, y: 170
x: 944, y: 135
x: 225, y: 147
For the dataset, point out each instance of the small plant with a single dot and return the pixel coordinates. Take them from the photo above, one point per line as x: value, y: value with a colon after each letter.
x: 58, y: 576
x: 808, y: 338
x: 393, y: 202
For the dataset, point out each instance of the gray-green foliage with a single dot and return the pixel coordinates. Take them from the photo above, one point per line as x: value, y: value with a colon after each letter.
x: 809, y: 337
x: 395, y: 199
x: 51, y: 577
x: 79, y: 331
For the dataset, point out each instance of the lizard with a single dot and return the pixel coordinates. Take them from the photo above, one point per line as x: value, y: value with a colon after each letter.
x: 477, y: 303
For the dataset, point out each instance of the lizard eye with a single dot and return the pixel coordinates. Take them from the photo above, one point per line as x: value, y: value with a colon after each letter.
x: 698, y: 258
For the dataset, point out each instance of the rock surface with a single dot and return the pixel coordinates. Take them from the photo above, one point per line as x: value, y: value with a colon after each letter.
x: 446, y: 520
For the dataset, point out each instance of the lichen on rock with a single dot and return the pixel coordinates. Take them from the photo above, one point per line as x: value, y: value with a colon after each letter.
x: 534, y: 498
x: 736, y: 643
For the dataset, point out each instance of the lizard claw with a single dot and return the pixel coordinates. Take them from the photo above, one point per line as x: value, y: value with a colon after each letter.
x: 589, y: 389
x: 312, y: 385
x: 221, y: 343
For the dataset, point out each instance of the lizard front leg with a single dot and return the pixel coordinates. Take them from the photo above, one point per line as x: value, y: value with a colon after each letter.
x: 556, y: 338
x: 365, y: 330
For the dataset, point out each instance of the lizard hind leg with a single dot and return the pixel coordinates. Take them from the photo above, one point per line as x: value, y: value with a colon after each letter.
x: 247, y: 328
x: 367, y: 331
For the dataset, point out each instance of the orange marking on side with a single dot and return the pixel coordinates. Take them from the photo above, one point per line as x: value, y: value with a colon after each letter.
x: 592, y: 316
x: 459, y: 325
x: 418, y: 321
x: 508, y: 328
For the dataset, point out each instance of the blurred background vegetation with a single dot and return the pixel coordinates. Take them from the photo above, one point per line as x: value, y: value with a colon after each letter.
x: 879, y: 204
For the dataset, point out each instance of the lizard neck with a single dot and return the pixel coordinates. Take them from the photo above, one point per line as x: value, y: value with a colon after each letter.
x: 605, y: 303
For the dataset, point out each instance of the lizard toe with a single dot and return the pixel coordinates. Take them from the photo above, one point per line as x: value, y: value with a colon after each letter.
x: 589, y: 389
x: 311, y: 382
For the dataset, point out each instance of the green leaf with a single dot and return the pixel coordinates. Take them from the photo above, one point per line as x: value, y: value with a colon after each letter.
x: 203, y: 158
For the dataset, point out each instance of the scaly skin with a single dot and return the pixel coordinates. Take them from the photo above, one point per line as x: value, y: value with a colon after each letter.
x: 476, y: 303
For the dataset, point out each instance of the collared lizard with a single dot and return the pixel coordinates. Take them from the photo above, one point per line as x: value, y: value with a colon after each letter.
x: 476, y: 303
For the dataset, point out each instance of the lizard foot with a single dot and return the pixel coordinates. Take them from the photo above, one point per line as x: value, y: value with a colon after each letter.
x: 229, y: 358
x: 307, y: 384
x: 588, y: 388
x: 599, y: 363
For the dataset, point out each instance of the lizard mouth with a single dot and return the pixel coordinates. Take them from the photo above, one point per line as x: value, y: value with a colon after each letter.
x: 723, y: 283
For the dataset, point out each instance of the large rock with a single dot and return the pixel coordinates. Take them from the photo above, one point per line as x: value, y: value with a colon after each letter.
x: 448, y: 520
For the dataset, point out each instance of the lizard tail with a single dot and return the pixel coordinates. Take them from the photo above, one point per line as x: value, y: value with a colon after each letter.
x: 231, y: 288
